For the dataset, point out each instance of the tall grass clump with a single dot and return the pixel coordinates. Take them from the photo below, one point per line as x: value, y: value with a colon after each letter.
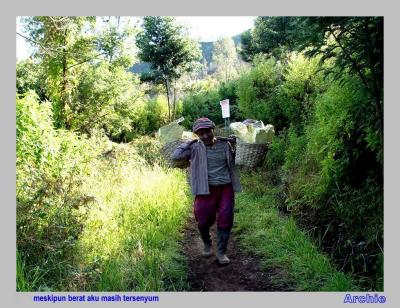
x: 28, y: 279
x: 131, y: 238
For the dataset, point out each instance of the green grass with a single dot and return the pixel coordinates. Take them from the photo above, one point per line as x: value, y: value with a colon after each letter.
x: 130, y: 231
x: 263, y: 231
x: 131, y: 237
x: 27, y: 280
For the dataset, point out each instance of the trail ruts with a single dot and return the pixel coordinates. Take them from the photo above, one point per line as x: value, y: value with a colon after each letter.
x: 244, y: 273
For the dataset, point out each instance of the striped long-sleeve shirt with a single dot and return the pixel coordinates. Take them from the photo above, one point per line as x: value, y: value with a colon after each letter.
x: 196, y: 153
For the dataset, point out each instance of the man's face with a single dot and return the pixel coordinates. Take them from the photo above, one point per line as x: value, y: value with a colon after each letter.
x: 206, y: 135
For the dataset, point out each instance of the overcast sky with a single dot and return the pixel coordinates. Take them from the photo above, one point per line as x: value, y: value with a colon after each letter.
x: 202, y: 28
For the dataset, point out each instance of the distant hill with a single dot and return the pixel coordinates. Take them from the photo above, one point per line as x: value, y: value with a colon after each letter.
x: 206, y: 50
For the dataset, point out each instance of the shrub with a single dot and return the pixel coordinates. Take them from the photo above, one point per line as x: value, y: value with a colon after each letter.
x: 205, y: 103
x: 258, y: 93
x: 276, y: 153
x: 303, y: 82
x: 156, y: 114
x: 51, y: 166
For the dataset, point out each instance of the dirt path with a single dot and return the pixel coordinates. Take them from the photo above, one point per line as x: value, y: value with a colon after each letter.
x: 244, y: 273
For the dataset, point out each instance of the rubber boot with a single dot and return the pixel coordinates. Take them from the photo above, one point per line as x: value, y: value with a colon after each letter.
x: 222, y: 243
x: 205, y: 236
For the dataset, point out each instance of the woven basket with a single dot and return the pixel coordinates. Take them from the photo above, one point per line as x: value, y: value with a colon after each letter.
x: 250, y: 154
x: 167, y: 151
x: 221, y: 131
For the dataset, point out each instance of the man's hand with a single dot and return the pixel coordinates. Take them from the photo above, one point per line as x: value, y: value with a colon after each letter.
x: 232, y: 138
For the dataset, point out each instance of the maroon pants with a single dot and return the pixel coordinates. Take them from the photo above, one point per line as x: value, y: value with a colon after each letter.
x: 218, y: 204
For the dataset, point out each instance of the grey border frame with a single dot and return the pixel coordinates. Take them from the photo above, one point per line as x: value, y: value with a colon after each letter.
x: 202, y: 8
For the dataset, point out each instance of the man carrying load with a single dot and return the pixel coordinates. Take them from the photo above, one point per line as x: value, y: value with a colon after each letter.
x: 213, y: 182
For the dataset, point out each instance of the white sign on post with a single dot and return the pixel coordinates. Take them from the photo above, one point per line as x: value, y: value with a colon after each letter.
x: 225, y: 108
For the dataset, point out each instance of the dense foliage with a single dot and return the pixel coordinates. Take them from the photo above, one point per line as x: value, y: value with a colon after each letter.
x: 327, y: 108
x: 204, y: 102
x: 51, y: 167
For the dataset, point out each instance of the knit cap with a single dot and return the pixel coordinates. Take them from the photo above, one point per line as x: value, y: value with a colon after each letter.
x: 203, y: 123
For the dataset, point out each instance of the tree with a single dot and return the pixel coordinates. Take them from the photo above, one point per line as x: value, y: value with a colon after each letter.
x: 224, y: 58
x: 204, y: 69
x: 247, y: 50
x: 113, y: 41
x: 170, y: 52
x: 273, y: 36
x: 60, y: 46
x: 356, y: 45
x: 107, y: 95
x: 274, y: 32
x: 83, y: 72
